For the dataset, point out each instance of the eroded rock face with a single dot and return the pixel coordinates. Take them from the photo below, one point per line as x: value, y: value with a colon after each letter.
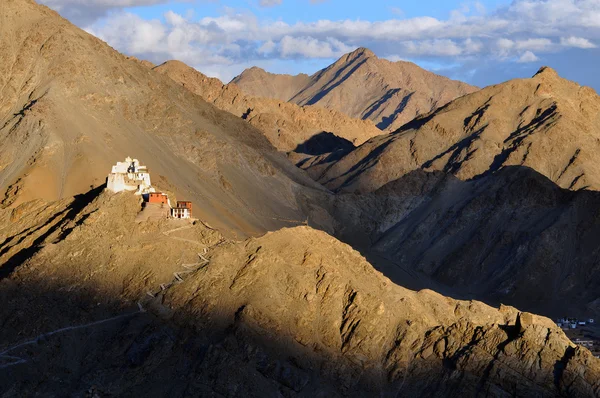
x: 512, y: 237
x: 292, y: 313
x: 336, y: 314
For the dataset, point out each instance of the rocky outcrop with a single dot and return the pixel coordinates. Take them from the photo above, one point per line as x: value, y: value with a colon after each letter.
x: 512, y: 237
x: 361, y: 86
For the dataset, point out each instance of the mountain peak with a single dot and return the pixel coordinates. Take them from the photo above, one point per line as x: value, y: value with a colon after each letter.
x: 362, y: 51
x: 548, y: 72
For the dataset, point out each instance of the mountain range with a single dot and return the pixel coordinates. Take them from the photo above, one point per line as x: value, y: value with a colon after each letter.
x: 287, y: 126
x: 357, y: 273
x: 546, y: 123
x: 118, y: 107
x: 362, y: 86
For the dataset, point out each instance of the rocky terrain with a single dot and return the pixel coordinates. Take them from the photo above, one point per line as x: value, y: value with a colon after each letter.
x: 546, y: 123
x: 287, y: 126
x: 509, y: 237
x: 362, y: 86
x: 101, y: 299
x: 70, y: 106
x: 292, y: 313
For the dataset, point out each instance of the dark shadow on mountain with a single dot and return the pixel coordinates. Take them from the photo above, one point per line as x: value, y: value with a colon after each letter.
x: 379, y: 102
x: 86, y: 344
x: 324, y: 143
x: 419, y: 121
x: 57, y: 223
x: 341, y: 76
x: 388, y: 120
x: 73, y: 338
x: 364, y: 164
x: 549, y: 117
x: 511, y: 237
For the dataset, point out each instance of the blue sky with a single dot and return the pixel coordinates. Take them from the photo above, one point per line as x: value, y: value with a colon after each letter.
x: 299, y: 10
x: 482, y: 42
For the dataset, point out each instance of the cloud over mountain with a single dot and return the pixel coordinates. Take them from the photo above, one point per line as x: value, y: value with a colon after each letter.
x: 238, y: 37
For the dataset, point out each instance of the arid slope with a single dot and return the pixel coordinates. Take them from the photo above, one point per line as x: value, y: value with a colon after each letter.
x: 510, y: 237
x: 362, y: 86
x: 71, y: 106
x: 547, y: 123
x: 287, y: 126
x: 294, y: 312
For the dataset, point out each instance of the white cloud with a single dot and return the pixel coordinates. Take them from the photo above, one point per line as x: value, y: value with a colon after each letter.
x: 527, y: 56
x: 269, y: 3
x: 443, y: 47
x: 267, y: 47
x: 85, y: 12
x: 578, y: 42
x: 521, y: 32
x: 312, y: 48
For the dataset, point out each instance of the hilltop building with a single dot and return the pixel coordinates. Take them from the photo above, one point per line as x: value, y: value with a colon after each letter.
x: 129, y: 176
x: 183, y: 210
x: 159, y: 198
x: 133, y: 177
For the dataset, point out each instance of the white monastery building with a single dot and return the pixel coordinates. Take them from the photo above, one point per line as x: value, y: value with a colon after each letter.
x: 133, y: 177
x: 129, y: 176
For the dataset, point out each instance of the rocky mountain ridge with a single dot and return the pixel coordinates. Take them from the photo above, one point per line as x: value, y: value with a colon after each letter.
x: 335, y: 327
x: 117, y: 107
x: 362, y: 86
x: 97, y: 301
x: 546, y: 123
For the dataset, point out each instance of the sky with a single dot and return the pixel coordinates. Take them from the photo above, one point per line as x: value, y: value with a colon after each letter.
x: 481, y: 42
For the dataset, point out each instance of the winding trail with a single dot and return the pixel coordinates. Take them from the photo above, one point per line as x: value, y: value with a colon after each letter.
x: 168, y: 234
x: 189, y: 268
x: 4, y: 355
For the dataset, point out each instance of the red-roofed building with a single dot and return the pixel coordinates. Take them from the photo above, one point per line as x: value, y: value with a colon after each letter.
x: 158, y: 197
x: 183, y: 210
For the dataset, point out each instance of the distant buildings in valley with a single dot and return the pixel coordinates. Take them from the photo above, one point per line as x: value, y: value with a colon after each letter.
x: 131, y: 176
x: 572, y: 323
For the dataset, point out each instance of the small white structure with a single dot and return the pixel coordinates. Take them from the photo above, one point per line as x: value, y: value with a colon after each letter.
x: 129, y: 176
x: 574, y: 325
x: 591, y: 320
x: 581, y: 323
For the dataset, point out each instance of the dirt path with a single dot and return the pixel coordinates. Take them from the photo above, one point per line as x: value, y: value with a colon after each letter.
x: 168, y: 234
x: 4, y: 355
x: 178, y: 278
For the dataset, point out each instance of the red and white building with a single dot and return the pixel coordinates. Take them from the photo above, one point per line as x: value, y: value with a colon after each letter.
x: 183, y: 210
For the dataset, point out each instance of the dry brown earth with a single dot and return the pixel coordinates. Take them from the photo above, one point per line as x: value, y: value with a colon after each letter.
x: 292, y: 313
x: 71, y: 106
x: 546, y: 123
x: 287, y: 126
x: 361, y: 86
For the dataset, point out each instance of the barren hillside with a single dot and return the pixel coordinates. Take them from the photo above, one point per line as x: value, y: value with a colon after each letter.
x: 293, y: 313
x: 511, y: 237
x: 287, y: 126
x: 71, y: 106
x: 100, y: 299
x: 362, y: 86
x: 546, y: 123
